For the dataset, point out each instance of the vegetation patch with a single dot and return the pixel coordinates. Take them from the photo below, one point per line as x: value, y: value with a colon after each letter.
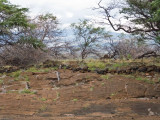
x: 145, y: 80
x: 128, y: 76
x: 118, y: 65
x: 93, y: 65
x: 26, y: 78
x: 16, y: 74
x: 113, y: 94
x: 75, y: 100
x: 106, y: 77
x: 33, y: 69
x: 36, y: 70
x: 57, y: 96
x: 43, y: 108
x: 27, y: 91
x: 102, y: 84
x: 43, y: 99
x: 12, y: 91
x: 1, y: 81
x: 91, y: 88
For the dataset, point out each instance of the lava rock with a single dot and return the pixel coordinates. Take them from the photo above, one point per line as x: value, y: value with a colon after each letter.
x: 51, y: 63
x: 76, y: 69
x: 151, y: 68
x: 134, y: 68
x: 112, y: 71
x: 158, y: 69
x: 121, y: 70
x: 102, y: 71
x: 128, y: 71
x: 142, y: 69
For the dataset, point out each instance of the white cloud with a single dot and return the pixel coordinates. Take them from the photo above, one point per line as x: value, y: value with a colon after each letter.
x: 69, y: 14
x: 67, y: 11
x: 64, y: 9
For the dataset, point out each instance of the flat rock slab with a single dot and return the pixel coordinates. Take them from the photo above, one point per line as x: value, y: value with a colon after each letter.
x: 144, y: 108
x: 107, y: 109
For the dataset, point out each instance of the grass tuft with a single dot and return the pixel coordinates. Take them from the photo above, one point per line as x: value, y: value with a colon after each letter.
x: 145, y: 80
x: 105, y: 77
x: 75, y: 100
x: 16, y: 74
x: 43, y: 99
x: 27, y: 91
x: 1, y: 81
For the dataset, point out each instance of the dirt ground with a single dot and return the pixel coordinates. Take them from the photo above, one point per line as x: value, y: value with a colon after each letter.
x: 78, y: 96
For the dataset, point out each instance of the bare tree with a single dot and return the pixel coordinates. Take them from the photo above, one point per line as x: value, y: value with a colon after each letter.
x: 133, y: 16
x: 127, y: 48
x: 45, y: 28
x: 21, y: 55
x: 87, y: 37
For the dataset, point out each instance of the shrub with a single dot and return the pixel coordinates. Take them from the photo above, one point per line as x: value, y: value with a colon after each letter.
x: 21, y: 55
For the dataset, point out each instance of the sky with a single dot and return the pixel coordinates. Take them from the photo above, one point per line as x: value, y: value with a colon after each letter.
x: 67, y: 11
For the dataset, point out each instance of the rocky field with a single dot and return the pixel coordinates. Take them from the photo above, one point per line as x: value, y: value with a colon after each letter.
x: 80, y: 93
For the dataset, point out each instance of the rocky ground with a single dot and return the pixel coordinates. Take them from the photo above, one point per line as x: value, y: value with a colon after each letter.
x: 78, y: 95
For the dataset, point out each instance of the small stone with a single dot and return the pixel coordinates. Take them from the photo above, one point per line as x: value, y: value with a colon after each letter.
x: 150, y: 112
x: 149, y: 76
x: 69, y: 115
x: 108, y: 98
x: 143, y: 98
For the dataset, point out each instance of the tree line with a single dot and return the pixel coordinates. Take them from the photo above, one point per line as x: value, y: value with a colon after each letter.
x: 26, y: 40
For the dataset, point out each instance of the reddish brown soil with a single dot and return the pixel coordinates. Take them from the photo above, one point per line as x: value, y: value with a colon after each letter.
x: 80, y: 96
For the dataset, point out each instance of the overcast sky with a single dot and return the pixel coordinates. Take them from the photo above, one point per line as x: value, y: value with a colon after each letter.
x: 68, y: 11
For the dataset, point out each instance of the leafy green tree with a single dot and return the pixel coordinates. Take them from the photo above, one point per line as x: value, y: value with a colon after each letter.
x: 32, y: 41
x: 15, y: 26
x: 139, y: 17
x: 12, y: 22
x: 88, y: 37
x: 155, y: 8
